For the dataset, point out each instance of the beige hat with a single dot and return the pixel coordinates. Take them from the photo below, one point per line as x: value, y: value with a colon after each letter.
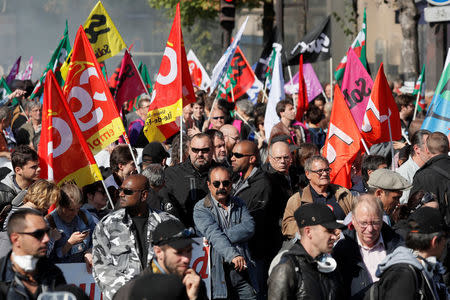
x: 388, y: 180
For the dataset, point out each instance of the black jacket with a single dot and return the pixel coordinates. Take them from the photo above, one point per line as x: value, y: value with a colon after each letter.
x: 184, y: 187
x: 256, y: 193
x: 351, y: 265
x: 48, y: 276
x: 430, y: 178
x: 281, y: 191
x: 7, y: 194
x: 285, y: 282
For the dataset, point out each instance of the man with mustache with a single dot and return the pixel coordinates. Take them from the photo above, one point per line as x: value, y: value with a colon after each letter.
x: 26, y: 271
x: 226, y: 223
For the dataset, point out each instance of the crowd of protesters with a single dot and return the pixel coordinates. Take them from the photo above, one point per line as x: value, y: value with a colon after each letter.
x: 276, y: 226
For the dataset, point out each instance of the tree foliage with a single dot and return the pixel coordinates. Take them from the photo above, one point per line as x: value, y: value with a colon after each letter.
x: 192, y: 10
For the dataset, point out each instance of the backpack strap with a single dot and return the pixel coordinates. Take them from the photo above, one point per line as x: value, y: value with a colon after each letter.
x: 83, y: 217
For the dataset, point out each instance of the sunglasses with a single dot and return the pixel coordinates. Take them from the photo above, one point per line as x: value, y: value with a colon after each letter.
x: 128, y: 192
x: 202, y: 150
x: 240, y: 155
x: 217, y: 118
x: 37, y: 234
x: 225, y: 183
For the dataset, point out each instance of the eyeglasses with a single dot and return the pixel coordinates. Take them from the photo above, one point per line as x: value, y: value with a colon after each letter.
x: 280, y: 158
x: 37, y: 234
x: 128, y: 192
x: 321, y: 171
x: 240, y: 155
x: 202, y: 150
x: 374, y: 224
x: 217, y: 118
x: 225, y: 183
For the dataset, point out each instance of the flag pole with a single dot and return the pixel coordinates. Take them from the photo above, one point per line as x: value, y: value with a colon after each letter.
x: 292, y: 86
x: 365, y: 146
x: 331, y: 80
x: 127, y: 141
x: 181, y: 139
x: 107, y: 193
x: 417, y: 102
x: 391, y: 142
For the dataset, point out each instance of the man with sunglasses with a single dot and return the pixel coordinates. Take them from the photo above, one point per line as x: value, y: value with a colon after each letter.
x: 319, y: 190
x: 186, y: 182
x: 26, y: 271
x: 122, y: 245
x: 364, y: 246
x: 255, y: 189
x: 226, y: 223
x: 217, y: 118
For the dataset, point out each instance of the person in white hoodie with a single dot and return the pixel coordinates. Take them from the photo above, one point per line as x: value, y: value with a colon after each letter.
x: 413, y: 272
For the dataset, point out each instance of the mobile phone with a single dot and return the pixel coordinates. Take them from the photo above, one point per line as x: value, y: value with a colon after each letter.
x: 85, y: 231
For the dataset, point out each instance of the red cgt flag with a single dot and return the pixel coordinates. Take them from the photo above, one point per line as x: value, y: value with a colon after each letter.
x: 62, y: 141
x: 380, y: 107
x: 343, y: 140
x: 89, y: 97
x: 302, y: 97
x: 130, y: 82
x: 173, y: 88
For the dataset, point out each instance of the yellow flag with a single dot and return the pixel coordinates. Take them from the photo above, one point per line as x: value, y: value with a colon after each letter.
x: 103, y: 35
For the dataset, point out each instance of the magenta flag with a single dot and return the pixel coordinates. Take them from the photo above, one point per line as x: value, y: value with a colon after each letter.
x: 313, y: 86
x: 356, y: 87
x: 13, y: 72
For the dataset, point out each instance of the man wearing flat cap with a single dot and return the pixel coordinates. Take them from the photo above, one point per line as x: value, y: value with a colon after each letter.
x: 388, y: 186
x: 413, y: 272
x: 306, y: 271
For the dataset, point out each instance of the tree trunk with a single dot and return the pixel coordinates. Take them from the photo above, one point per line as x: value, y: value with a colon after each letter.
x: 226, y: 38
x: 409, y: 66
x: 279, y: 19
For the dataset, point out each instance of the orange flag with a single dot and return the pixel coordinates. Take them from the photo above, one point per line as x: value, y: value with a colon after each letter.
x: 380, y: 107
x: 63, y: 153
x: 343, y: 140
x: 302, y: 102
x: 89, y: 97
x: 173, y: 88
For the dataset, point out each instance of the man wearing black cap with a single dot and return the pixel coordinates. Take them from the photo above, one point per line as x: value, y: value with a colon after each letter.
x: 154, y: 153
x: 172, y: 245
x: 306, y: 271
x: 414, y: 272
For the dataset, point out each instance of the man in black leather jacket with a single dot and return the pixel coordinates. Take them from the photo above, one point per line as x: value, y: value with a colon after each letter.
x: 306, y: 271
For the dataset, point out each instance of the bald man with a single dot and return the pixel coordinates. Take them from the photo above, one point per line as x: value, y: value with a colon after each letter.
x: 231, y: 135
x: 121, y: 240
x: 254, y: 188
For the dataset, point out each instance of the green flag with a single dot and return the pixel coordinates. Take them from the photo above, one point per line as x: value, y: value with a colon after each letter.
x: 359, y: 45
x: 57, y: 59
x: 142, y: 68
x: 4, y: 89
x: 418, y: 89
x: 270, y: 67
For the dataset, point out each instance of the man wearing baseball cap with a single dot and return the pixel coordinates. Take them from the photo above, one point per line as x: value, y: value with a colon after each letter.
x: 413, y: 272
x: 388, y: 186
x: 172, y: 245
x: 306, y: 271
x: 154, y: 153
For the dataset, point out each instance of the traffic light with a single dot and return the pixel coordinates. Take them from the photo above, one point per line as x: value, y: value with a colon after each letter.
x: 227, y: 12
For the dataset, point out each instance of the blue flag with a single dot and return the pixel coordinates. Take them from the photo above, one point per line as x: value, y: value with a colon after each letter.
x: 438, y: 115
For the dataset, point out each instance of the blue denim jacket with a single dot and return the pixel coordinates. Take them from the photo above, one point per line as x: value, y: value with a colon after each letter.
x: 226, y: 243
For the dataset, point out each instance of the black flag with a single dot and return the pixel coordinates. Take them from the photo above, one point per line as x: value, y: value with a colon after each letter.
x: 315, y: 46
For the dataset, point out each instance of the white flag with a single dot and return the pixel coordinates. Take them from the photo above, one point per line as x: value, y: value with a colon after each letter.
x: 198, y: 74
x: 224, y: 62
x: 276, y: 93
